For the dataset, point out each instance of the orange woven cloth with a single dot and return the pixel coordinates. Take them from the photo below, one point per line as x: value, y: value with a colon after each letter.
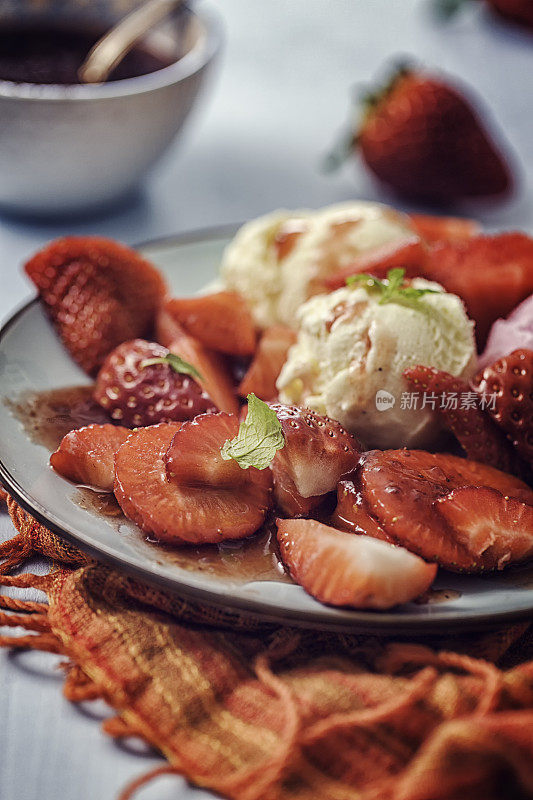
x: 275, y: 713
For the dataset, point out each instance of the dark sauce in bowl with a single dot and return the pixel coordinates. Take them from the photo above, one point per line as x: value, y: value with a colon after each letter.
x: 43, y: 54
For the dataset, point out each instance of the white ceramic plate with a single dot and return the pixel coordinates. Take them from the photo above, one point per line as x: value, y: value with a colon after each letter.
x: 33, y: 360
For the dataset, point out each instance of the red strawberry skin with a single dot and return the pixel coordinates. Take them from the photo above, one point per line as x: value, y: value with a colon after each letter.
x: 511, y: 380
x: 491, y: 274
x: 216, y: 377
x: 479, y: 437
x: 98, y: 293
x: 518, y: 11
x: 424, y: 140
x: 87, y: 455
x: 352, y: 513
x: 135, y: 396
x: 318, y: 451
x: 407, y: 491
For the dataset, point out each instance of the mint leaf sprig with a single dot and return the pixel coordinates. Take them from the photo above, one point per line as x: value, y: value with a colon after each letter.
x: 259, y: 438
x: 176, y: 363
x: 392, y: 289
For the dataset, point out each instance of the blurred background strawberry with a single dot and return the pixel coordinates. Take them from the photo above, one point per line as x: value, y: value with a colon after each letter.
x: 423, y: 139
x: 517, y: 11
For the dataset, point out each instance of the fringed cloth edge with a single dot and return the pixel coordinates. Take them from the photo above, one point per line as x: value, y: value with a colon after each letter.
x: 280, y: 714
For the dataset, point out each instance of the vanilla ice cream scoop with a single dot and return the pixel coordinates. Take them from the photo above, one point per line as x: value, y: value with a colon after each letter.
x: 351, y: 352
x: 277, y: 261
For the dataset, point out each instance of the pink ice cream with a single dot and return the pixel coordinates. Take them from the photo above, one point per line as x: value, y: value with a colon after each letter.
x: 510, y: 334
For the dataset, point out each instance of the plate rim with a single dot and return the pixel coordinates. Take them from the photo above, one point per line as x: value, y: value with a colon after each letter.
x: 378, y: 622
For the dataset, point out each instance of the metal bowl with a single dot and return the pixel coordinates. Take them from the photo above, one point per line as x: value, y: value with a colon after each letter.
x: 69, y: 149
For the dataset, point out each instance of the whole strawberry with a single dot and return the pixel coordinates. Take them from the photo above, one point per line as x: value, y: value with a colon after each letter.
x: 142, y: 383
x: 510, y: 382
x: 518, y: 11
x: 423, y: 139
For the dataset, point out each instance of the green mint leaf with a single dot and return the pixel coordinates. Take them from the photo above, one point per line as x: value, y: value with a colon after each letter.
x: 260, y: 437
x: 176, y: 363
x: 392, y: 289
x: 394, y: 282
x: 414, y: 294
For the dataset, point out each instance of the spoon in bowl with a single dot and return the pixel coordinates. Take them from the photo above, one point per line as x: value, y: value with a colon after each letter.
x: 116, y: 43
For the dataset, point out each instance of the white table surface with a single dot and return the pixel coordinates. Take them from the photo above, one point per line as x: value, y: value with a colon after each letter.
x: 280, y: 96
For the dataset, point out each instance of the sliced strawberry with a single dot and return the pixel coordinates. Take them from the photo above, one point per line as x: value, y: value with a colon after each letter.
x: 317, y: 453
x: 98, y: 293
x: 177, y: 514
x: 167, y: 329
x: 444, y: 229
x: 145, y: 395
x: 401, y: 489
x: 194, y: 457
x: 270, y: 357
x: 492, y: 274
x: 288, y: 500
x: 479, y: 437
x: 408, y: 254
x: 87, y: 455
x: 499, y: 528
x: 352, y: 513
x: 510, y: 381
x: 345, y: 570
x: 214, y: 371
x: 221, y: 321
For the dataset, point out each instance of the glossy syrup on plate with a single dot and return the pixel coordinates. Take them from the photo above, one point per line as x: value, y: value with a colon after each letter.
x: 48, y: 416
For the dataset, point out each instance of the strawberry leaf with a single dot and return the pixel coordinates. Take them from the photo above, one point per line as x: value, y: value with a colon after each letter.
x: 260, y: 437
x: 176, y: 363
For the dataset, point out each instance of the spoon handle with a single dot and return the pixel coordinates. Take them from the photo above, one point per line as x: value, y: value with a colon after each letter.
x: 115, y: 44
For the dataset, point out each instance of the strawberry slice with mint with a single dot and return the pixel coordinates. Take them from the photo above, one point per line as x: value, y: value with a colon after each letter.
x: 205, y: 481
x: 346, y: 570
x: 510, y: 381
x: 143, y: 383
x: 307, y: 453
x: 462, y: 412
x: 98, y: 294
